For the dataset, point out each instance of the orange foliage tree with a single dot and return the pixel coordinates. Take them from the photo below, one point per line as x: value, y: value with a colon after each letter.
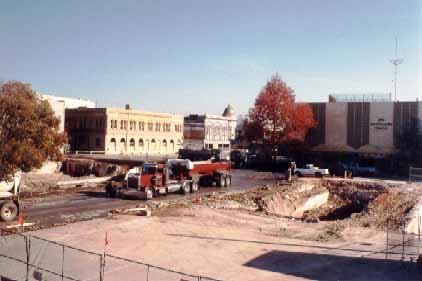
x: 276, y: 118
x: 28, y: 130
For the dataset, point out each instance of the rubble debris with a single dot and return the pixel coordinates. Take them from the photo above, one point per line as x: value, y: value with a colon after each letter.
x: 331, y: 232
x: 346, y: 198
x: 390, y: 209
x: 26, y: 224
x: 368, y: 204
x: 144, y: 211
x: 86, y: 167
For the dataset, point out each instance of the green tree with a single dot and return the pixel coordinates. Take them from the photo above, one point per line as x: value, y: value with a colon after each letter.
x: 28, y: 130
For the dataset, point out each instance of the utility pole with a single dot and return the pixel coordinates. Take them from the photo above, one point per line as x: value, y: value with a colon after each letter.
x: 396, y: 62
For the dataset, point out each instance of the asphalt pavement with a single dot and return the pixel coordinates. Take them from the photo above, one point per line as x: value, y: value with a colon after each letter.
x: 93, y: 203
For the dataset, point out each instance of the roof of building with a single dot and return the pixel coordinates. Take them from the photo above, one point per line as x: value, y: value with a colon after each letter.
x: 229, y: 111
x: 125, y: 111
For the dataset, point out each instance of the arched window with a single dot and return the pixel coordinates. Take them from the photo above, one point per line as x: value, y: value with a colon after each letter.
x: 153, y: 145
x: 172, y: 145
x: 122, y: 140
x: 113, y: 144
x: 141, y: 144
x: 165, y: 145
x: 132, y: 142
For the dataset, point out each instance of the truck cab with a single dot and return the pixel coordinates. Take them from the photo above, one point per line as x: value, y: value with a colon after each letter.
x: 9, y: 198
x: 153, y: 179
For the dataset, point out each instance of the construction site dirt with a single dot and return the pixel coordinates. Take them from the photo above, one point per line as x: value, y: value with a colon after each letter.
x: 261, y: 228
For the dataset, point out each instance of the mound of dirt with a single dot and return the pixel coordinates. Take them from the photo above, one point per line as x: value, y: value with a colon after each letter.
x: 388, y: 209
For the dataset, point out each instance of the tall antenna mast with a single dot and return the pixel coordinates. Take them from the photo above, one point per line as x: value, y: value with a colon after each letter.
x: 396, y: 62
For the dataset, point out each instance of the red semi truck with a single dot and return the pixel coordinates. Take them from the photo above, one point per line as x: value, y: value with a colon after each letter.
x: 177, y: 175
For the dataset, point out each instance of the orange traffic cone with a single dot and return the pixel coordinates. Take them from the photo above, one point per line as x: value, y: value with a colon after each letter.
x: 20, y: 219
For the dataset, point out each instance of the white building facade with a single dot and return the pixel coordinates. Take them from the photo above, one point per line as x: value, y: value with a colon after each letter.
x: 60, y: 104
x: 210, y: 131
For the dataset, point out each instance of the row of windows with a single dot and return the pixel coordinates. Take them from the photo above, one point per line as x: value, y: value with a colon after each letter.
x: 214, y: 146
x: 84, y: 123
x: 85, y: 140
x: 220, y: 133
x: 140, y: 126
x: 141, y: 141
x: 178, y: 128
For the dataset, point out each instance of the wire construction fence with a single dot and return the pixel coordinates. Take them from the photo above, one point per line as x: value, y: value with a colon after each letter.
x: 405, y: 245
x: 27, y: 257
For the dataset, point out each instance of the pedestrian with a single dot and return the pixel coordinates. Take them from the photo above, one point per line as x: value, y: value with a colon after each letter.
x: 293, y: 167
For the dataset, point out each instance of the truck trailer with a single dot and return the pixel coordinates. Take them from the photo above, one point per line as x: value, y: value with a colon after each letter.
x: 177, y: 175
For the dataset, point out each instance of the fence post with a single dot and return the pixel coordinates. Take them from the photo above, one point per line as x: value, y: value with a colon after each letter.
x: 386, y: 246
x: 410, y: 173
x: 402, y: 252
x: 101, y: 268
x: 28, y: 254
x: 148, y: 272
x: 62, y: 262
x: 419, y: 234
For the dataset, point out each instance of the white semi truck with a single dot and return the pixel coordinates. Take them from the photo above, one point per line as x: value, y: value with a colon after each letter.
x: 9, y: 198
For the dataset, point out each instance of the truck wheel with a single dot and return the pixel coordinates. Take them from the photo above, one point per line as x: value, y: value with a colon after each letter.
x: 185, y: 188
x: 8, y: 211
x: 298, y: 174
x: 149, y: 193
x: 194, y: 186
x: 318, y: 175
x: 229, y: 180
x: 111, y: 193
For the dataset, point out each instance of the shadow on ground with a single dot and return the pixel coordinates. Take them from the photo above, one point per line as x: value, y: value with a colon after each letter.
x: 330, y: 267
x: 95, y: 194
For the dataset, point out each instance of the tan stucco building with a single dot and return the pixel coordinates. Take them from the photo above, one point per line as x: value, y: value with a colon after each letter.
x: 123, y: 131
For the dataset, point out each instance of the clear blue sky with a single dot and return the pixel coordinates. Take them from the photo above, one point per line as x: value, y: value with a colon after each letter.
x: 197, y: 56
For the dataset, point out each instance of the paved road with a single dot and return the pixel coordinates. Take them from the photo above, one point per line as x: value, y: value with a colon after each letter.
x: 82, y: 205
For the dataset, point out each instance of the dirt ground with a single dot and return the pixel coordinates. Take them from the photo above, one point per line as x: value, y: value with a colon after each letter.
x: 235, y: 245
x: 308, y: 230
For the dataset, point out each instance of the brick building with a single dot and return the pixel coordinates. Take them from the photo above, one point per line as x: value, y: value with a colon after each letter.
x: 124, y: 131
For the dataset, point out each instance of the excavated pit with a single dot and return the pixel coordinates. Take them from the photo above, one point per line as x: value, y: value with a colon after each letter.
x: 345, y: 199
x: 367, y: 204
x: 364, y: 204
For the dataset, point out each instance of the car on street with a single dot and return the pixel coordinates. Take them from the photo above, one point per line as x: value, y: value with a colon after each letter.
x: 311, y: 170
